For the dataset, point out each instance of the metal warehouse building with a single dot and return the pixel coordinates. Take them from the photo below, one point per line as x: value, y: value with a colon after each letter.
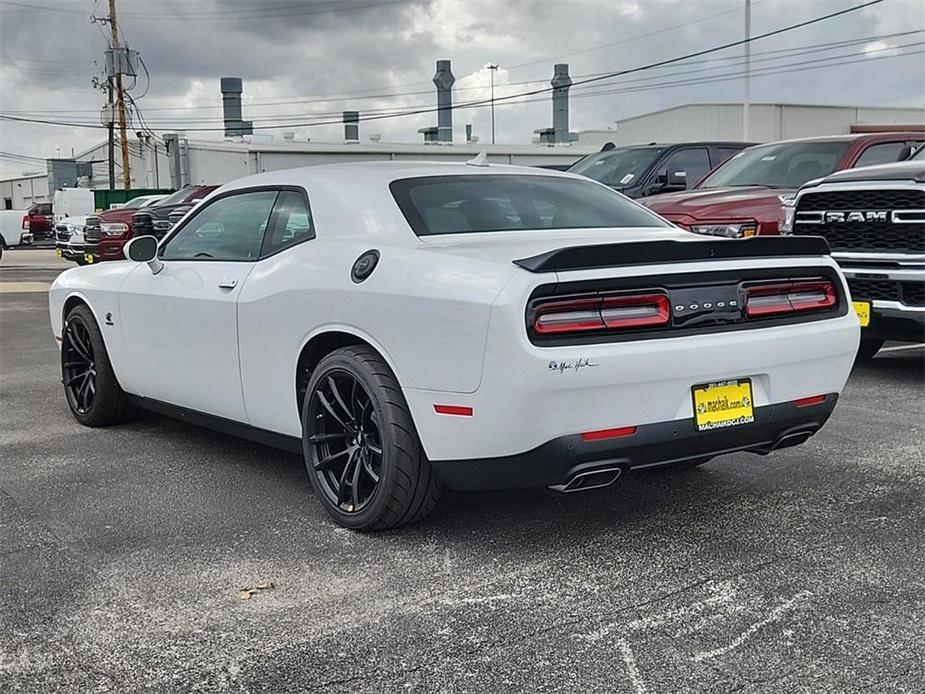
x: 767, y: 123
x: 180, y: 161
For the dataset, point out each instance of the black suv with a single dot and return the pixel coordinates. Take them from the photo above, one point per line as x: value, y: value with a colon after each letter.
x: 641, y: 170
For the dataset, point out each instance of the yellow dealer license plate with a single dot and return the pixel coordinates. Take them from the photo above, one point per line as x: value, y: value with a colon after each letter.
x: 862, y: 308
x: 723, y: 404
x: 88, y: 258
x: 59, y: 253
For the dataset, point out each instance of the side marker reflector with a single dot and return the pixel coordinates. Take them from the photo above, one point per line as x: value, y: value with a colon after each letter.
x: 602, y: 434
x: 808, y: 402
x: 458, y: 410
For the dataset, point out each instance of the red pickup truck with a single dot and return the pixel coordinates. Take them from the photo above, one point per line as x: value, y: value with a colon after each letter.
x: 744, y: 196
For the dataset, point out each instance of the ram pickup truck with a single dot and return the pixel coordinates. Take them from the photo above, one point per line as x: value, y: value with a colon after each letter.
x: 107, y: 233
x: 874, y: 221
x: 744, y: 196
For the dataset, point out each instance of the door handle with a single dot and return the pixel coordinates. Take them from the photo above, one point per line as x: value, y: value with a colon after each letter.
x: 228, y: 283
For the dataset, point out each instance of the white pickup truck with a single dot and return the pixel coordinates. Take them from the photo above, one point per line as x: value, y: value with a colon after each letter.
x: 11, y: 231
x: 874, y: 220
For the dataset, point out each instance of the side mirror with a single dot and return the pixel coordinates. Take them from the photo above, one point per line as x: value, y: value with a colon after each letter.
x: 143, y: 249
x: 677, y: 179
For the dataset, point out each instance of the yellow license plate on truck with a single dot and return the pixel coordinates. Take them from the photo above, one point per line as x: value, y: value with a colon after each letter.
x: 88, y: 258
x: 59, y: 253
x: 723, y: 404
x: 862, y: 308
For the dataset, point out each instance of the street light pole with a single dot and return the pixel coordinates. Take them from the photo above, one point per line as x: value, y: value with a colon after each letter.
x: 492, y: 69
x: 746, y: 129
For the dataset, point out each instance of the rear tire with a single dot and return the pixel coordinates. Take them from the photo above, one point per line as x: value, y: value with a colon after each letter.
x: 90, y: 386
x: 364, y: 459
x: 868, y: 349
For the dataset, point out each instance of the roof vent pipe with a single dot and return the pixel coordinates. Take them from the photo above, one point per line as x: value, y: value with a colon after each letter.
x: 232, y: 89
x: 444, y: 80
x: 560, y: 86
x: 351, y: 127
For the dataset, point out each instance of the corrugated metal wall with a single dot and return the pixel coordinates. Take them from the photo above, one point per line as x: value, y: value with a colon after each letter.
x: 768, y: 122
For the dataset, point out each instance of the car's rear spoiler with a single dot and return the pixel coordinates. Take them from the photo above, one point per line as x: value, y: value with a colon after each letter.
x: 656, y: 252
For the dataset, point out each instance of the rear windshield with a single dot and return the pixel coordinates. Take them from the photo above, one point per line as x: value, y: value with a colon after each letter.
x: 482, y: 203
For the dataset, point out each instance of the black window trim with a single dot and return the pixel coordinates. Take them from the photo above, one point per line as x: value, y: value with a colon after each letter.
x: 270, y: 220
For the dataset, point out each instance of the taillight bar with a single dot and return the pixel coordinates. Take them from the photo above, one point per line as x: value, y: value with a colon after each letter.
x: 601, y: 313
x: 789, y: 297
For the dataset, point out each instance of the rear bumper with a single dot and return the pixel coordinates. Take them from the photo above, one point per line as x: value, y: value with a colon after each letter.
x: 559, y: 460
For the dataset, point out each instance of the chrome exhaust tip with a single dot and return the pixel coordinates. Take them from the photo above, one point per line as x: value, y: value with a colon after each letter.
x: 794, y: 439
x: 588, y: 480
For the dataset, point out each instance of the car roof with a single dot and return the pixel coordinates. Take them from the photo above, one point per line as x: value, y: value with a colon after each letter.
x: 383, y: 172
x: 896, y: 171
x: 852, y: 137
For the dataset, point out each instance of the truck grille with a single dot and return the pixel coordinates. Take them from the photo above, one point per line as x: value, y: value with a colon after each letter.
x: 908, y: 293
x: 62, y: 233
x: 92, y: 230
x: 876, y: 233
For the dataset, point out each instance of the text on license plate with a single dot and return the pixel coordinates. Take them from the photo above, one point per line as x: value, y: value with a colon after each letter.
x: 723, y: 404
x: 862, y: 308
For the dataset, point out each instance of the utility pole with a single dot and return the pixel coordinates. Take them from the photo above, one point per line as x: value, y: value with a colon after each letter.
x: 492, y: 68
x: 748, y: 71
x: 111, y: 143
x: 120, y: 99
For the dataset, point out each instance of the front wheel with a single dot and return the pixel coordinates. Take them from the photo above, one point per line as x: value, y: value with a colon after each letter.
x: 362, y: 452
x: 90, y: 385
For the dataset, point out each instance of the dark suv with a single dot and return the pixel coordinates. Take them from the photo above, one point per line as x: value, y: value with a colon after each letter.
x: 640, y: 170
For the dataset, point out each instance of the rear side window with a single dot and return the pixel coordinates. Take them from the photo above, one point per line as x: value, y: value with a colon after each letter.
x: 885, y: 153
x: 485, y: 202
x: 44, y: 209
x: 290, y: 224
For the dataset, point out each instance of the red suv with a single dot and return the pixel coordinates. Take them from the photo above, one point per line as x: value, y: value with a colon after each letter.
x: 107, y: 233
x: 39, y: 221
x: 743, y: 196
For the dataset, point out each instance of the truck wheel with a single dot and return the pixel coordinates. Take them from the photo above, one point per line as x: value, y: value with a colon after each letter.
x: 868, y: 348
x: 90, y: 386
x: 362, y: 452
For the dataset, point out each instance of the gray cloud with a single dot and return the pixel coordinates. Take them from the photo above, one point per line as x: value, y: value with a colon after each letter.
x: 287, y: 53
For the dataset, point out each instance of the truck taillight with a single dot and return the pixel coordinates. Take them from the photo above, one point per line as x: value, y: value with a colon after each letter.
x: 789, y: 297
x: 25, y: 223
x: 601, y: 313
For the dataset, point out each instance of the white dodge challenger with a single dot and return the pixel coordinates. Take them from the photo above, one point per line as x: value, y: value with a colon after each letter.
x: 411, y: 326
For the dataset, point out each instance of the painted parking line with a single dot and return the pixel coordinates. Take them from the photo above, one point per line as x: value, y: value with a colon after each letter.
x: 23, y: 287
x: 902, y: 348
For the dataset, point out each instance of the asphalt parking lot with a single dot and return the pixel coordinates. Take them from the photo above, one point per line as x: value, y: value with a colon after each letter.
x: 125, y: 550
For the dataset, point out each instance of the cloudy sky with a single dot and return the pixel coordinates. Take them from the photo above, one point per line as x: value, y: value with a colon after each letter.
x: 303, y: 62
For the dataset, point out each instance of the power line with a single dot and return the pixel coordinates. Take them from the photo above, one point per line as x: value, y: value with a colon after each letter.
x: 772, y: 70
x: 522, y: 95
x: 334, y: 6
x: 770, y: 55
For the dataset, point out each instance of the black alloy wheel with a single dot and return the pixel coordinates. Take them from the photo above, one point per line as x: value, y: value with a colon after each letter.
x: 91, y: 388
x: 78, y: 366
x: 346, y: 446
x: 362, y: 453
